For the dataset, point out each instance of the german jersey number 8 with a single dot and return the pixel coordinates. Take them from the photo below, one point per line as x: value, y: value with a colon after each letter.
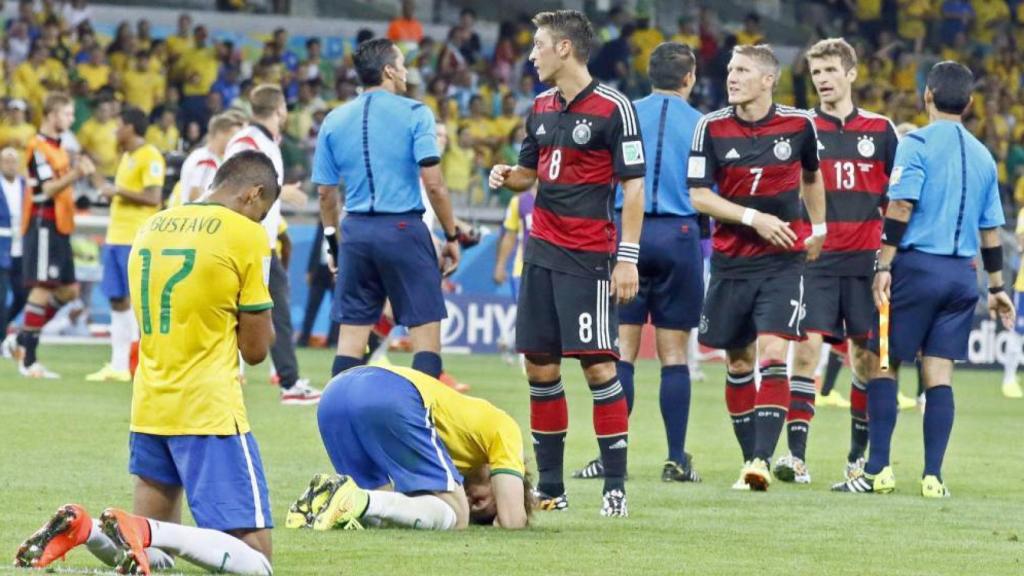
x: 556, y: 165
x: 586, y: 327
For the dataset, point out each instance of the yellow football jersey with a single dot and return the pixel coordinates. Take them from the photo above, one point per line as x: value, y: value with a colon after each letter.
x: 192, y: 269
x: 137, y: 171
x: 475, y: 431
x: 1018, y: 285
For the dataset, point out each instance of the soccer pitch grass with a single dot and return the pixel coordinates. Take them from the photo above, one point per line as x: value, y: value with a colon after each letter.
x: 67, y: 441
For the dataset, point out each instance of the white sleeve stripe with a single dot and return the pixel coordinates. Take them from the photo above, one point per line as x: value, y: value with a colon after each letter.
x: 625, y: 109
x: 698, y: 133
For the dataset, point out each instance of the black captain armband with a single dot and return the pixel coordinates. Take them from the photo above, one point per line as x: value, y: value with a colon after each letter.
x: 992, y: 259
x: 893, y: 231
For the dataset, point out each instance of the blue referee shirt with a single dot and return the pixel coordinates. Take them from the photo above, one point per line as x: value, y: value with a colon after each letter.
x: 666, y: 124
x: 951, y: 178
x: 375, y: 145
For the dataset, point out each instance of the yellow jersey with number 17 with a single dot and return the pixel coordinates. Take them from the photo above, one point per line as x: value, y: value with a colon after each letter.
x: 142, y: 168
x: 192, y: 270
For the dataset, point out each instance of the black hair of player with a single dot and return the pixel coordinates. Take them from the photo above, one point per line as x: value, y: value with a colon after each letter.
x: 247, y: 169
x: 951, y: 84
x: 370, y: 59
x: 135, y: 118
x: 670, y: 64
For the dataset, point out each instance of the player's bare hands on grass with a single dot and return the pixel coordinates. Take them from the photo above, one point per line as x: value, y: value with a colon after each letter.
x: 625, y: 282
x: 1000, y: 305
x: 498, y: 174
x: 880, y: 288
x: 813, y: 246
x: 450, y: 256
x: 777, y: 232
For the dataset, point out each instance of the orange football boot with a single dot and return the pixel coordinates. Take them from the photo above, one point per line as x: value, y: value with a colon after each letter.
x: 69, y: 527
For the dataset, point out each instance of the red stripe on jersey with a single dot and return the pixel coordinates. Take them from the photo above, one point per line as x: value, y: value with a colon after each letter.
x: 780, y: 125
x: 248, y: 141
x: 584, y: 234
x: 853, y: 236
x: 773, y: 179
x: 575, y: 166
x: 858, y: 174
x: 738, y: 241
x: 208, y: 162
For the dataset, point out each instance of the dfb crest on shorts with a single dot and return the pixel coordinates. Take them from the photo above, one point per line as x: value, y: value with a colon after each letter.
x: 581, y: 133
x: 703, y: 329
x: 783, y: 150
x: 866, y: 146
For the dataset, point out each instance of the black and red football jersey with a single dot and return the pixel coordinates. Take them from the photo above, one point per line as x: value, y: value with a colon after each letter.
x: 857, y: 155
x: 756, y: 165
x: 581, y: 150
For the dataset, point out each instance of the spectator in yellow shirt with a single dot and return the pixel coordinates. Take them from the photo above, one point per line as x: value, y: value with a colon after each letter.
x: 142, y: 87
x: 15, y: 131
x: 644, y: 41
x: 508, y: 120
x: 989, y: 15
x: 98, y: 138
x: 912, y: 19
x: 686, y: 33
x: 750, y: 34
x: 35, y: 77
x: 457, y: 162
x: 199, y: 67
x: 95, y: 71
x: 164, y: 135
x: 181, y: 41
x: 481, y: 128
x: 869, y: 17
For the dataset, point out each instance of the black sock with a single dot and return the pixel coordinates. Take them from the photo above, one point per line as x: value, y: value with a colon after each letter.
x: 740, y: 395
x: 611, y: 425
x: 858, y: 420
x: 342, y: 363
x: 29, y: 340
x: 801, y: 412
x: 549, y: 420
x: 832, y: 368
x: 770, y: 409
x: 674, y: 397
x: 427, y: 362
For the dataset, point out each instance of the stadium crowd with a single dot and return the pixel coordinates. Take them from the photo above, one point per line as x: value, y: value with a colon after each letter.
x: 481, y: 92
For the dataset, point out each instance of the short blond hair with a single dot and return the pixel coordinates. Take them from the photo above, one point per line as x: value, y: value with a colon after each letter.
x: 9, y: 152
x: 265, y: 100
x: 834, y: 48
x: 226, y: 121
x: 54, y: 101
x: 763, y: 54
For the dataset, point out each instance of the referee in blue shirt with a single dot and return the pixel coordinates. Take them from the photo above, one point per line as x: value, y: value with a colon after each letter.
x: 381, y: 145
x: 670, y: 265
x: 943, y: 190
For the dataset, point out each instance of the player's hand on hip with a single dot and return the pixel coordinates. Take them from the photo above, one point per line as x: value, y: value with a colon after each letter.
x: 880, y: 288
x: 813, y: 246
x: 625, y: 282
x: 498, y: 174
x: 450, y: 256
x: 777, y: 232
x: 1000, y: 305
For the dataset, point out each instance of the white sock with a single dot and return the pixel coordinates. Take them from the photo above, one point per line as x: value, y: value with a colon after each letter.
x: 104, y: 549
x: 1012, y: 358
x: 122, y: 332
x: 427, y: 512
x: 209, y: 549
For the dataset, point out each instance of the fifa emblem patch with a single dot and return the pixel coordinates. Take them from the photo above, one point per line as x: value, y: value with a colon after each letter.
x: 866, y: 146
x: 581, y: 133
x: 894, y: 178
x: 783, y: 150
x: 632, y: 153
x: 703, y: 324
x: 697, y: 167
x: 155, y: 169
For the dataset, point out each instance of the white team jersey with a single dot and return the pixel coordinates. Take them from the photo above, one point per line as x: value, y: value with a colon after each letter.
x: 253, y: 137
x: 197, y: 171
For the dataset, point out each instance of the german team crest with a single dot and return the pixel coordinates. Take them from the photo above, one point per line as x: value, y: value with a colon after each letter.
x: 581, y: 133
x: 783, y: 150
x: 866, y: 146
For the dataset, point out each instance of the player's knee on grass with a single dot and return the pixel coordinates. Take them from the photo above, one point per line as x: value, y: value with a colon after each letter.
x: 258, y: 540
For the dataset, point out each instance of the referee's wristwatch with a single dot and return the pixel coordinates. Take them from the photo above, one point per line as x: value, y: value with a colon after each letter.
x: 882, y: 267
x: 453, y: 237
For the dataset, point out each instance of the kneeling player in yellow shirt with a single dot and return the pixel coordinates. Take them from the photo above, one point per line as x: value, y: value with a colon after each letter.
x: 432, y: 458
x: 199, y: 291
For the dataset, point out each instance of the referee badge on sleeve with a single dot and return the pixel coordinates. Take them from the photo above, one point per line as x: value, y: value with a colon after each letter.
x: 894, y: 178
x: 633, y: 152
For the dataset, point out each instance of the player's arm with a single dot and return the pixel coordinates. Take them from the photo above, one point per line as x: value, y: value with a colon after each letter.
x: 509, y: 498
x: 505, y: 247
x: 49, y: 184
x: 992, y: 219
x: 149, y: 196
x: 812, y: 190
x: 326, y: 176
x: 286, y: 248
x: 255, y: 335
x: 905, y: 185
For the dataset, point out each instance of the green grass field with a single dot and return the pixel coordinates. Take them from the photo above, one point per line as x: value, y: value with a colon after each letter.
x: 66, y: 441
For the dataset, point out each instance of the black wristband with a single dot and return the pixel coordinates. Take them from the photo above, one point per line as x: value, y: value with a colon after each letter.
x: 452, y: 237
x: 331, y: 240
x: 996, y: 289
x: 893, y: 231
x: 992, y: 258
